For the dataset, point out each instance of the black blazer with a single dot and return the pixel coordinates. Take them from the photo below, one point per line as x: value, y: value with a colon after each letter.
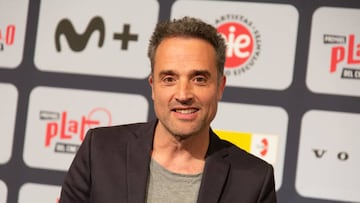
x: 112, y: 165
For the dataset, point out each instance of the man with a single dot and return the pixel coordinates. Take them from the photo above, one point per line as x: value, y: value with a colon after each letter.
x: 177, y: 157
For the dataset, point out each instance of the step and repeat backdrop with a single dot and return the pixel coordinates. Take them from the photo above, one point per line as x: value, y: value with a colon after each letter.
x: 292, y: 97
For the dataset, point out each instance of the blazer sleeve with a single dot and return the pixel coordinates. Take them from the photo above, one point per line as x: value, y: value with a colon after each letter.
x: 268, y: 193
x: 77, y: 183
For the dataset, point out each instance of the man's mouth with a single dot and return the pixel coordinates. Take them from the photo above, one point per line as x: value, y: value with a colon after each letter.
x: 186, y: 111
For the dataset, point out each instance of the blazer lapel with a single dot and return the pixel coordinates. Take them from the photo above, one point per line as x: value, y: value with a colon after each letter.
x: 214, y: 177
x: 216, y: 171
x: 138, y: 159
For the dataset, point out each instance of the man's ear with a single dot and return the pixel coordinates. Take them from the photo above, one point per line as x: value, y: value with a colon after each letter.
x: 150, y: 79
x: 222, y: 84
x: 151, y: 83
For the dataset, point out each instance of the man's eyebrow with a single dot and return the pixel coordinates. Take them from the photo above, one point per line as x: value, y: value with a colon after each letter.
x: 193, y: 73
x: 167, y: 72
x: 201, y: 72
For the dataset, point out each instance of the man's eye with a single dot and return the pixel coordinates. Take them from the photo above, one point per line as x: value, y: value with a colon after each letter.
x: 200, y: 79
x: 168, y: 79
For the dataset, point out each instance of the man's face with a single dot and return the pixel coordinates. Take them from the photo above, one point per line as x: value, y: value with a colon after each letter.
x: 185, y: 86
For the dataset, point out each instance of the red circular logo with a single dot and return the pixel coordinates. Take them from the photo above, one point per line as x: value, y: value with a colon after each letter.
x: 240, y: 43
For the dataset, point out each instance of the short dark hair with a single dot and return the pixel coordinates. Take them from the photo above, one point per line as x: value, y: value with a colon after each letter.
x: 188, y: 27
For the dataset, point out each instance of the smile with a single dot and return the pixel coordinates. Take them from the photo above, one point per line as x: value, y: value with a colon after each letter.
x: 185, y: 111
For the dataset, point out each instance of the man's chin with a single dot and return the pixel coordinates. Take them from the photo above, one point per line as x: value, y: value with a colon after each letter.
x: 182, y: 136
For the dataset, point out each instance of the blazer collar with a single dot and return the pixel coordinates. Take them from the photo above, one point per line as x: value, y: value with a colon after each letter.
x: 215, y: 172
x: 138, y: 160
x: 139, y: 155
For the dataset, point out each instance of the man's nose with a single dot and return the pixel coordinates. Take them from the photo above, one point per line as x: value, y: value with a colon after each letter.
x: 184, y: 92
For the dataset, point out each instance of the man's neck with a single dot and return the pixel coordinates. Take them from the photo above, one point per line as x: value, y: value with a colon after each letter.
x: 186, y: 156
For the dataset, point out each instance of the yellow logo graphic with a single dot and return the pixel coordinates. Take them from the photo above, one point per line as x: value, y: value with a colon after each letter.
x: 264, y: 146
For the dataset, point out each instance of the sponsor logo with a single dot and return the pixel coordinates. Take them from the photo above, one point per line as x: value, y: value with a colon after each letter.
x: 58, y: 125
x: 260, y: 48
x: 334, y: 52
x: 254, y: 129
x: 34, y: 192
x: 344, y: 50
x: 12, y: 32
x: 243, y: 42
x: 261, y: 145
x: 59, y: 118
x: 77, y: 42
x: 342, y: 155
x: 82, y: 40
x: 7, y: 120
x: 328, y: 163
x: 7, y: 36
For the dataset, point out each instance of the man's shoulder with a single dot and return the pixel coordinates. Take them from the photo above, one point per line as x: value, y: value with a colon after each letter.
x: 238, y: 158
x: 123, y: 127
x: 124, y: 131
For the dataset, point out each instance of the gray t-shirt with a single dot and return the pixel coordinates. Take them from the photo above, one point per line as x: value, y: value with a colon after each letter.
x: 165, y: 186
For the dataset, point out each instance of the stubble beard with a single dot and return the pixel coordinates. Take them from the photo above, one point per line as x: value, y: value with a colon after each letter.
x: 180, y: 135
